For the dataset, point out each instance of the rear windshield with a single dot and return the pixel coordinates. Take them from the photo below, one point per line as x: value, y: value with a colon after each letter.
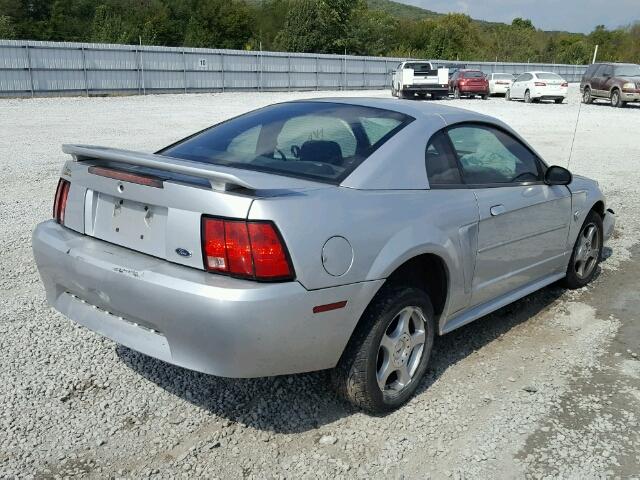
x: 627, y: 70
x: 419, y: 67
x: 548, y: 76
x: 312, y: 140
x: 503, y: 76
x: 473, y: 74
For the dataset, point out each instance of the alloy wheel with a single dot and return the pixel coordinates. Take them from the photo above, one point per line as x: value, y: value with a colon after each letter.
x: 401, y: 349
x: 587, y: 251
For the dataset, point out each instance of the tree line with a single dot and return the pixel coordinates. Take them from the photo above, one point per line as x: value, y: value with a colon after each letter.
x: 319, y: 26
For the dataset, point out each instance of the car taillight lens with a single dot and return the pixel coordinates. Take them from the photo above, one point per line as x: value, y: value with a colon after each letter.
x: 246, y: 249
x: 565, y: 84
x: 60, y: 201
x: 540, y: 84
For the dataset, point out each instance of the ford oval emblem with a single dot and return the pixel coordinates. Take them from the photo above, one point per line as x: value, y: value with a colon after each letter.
x: 183, y: 252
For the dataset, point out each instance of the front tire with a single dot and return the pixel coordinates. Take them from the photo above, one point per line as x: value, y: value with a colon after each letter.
x: 507, y: 96
x: 559, y: 100
x: 456, y: 93
x: 616, y: 99
x: 586, y: 96
x: 388, y: 353
x: 587, y: 253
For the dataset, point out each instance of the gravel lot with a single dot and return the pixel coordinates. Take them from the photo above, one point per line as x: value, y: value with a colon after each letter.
x: 549, y: 386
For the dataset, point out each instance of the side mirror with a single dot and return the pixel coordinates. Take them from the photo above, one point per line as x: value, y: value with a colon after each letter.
x: 558, y: 176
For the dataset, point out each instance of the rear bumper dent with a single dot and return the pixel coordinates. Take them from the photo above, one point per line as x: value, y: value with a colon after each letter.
x: 190, y: 318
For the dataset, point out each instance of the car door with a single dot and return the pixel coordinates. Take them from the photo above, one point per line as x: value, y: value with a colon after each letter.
x: 606, y: 81
x: 517, y: 91
x: 523, y: 223
x: 597, y: 82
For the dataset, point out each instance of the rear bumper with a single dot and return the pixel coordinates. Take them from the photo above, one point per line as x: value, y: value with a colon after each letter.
x: 473, y: 89
x: 545, y: 94
x: 190, y: 318
x: 444, y: 90
x: 608, y: 224
x: 498, y: 88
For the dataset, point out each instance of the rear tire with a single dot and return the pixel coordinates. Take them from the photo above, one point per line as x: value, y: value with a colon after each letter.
x: 616, y: 99
x: 587, y: 253
x: 527, y: 97
x: 394, y: 92
x: 559, y: 100
x: 484, y: 97
x: 381, y: 353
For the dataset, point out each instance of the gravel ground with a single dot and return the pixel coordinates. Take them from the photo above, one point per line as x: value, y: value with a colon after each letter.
x: 547, y: 387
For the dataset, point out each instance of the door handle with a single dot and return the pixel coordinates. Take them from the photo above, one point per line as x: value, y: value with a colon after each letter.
x: 498, y: 210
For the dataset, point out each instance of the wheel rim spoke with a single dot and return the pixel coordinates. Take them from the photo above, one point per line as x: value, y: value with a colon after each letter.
x: 418, y: 338
x: 383, y: 373
x: 404, y: 376
x: 387, y: 343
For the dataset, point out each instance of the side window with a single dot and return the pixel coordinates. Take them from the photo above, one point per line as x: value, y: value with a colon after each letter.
x: 490, y: 156
x: 590, y: 71
x: 442, y: 167
x: 607, y: 71
x: 327, y: 132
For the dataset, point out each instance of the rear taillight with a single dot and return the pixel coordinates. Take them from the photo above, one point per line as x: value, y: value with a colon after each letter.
x: 60, y: 201
x: 246, y: 249
x: 565, y: 84
x: 540, y: 84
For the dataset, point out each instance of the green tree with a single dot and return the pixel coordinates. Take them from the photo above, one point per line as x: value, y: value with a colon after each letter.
x: 219, y: 24
x: 7, y: 29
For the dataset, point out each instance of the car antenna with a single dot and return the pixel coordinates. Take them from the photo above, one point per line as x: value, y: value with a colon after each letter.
x: 575, y: 131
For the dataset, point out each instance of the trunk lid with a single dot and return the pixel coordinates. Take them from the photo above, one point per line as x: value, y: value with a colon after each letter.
x: 154, y: 204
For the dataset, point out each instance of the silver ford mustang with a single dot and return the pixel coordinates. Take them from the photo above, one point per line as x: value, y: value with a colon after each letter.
x: 308, y: 235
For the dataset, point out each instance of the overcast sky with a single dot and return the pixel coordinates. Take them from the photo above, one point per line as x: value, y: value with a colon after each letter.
x: 568, y: 15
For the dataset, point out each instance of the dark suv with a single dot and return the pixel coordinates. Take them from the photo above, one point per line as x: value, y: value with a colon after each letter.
x: 617, y: 82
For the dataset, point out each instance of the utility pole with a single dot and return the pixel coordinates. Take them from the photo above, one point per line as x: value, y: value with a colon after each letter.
x: 595, y: 54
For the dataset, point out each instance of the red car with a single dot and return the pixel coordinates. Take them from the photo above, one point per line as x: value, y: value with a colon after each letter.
x: 469, y: 83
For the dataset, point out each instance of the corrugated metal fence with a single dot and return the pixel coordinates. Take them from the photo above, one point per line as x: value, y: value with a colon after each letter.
x: 50, y: 68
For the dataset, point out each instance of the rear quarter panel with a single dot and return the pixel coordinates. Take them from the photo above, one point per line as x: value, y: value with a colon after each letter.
x: 384, y: 228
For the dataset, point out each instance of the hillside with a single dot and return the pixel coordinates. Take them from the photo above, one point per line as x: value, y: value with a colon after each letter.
x: 401, y: 10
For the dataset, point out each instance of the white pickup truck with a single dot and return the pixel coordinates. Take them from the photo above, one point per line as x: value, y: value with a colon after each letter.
x: 413, y: 78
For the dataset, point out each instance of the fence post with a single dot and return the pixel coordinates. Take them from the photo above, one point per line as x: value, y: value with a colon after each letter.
x: 364, y: 73
x: 288, y: 73
x: 222, y: 69
x: 259, y: 67
x: 184, y: 70
x: 317, y: 72
x: 144, y: 88
x: 29, y: 67
x: 84, y: 69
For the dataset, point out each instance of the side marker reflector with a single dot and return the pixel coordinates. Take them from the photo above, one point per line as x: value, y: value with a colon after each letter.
x: 329, y: 307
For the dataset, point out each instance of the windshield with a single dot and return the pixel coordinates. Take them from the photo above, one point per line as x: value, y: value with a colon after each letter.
x: 311, y: 140
x: 473, y: 74
x: 503, y: 76
x: 548, y: 76
x: 627, y: 71
x: 419, y: 67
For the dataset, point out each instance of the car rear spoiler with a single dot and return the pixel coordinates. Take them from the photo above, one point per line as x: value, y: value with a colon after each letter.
x: 221, y: 178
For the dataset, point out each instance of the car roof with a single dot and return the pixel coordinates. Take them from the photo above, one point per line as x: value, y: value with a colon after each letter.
x: 413, y: 109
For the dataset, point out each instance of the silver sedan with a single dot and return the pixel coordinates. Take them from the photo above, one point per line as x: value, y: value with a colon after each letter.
x: 338, y: 234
